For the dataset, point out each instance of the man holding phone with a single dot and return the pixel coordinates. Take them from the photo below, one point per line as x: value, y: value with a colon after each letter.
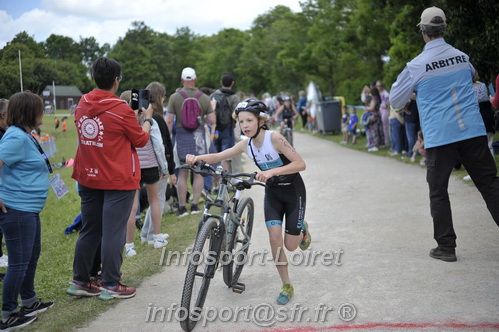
x: 107, y: 170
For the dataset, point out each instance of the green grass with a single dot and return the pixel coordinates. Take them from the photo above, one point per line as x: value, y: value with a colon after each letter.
x: 54, y: 270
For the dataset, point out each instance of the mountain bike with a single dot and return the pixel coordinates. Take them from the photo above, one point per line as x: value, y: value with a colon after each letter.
x: 223, y: 236
x: 287, y: 130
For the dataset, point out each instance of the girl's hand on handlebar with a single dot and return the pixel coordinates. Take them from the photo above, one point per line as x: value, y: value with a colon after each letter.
x: 191, y: 159
x: 263, y: 176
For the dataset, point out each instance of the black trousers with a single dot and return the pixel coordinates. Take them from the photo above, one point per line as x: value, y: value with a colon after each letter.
x: 480, y: 164
x: 104, y: 216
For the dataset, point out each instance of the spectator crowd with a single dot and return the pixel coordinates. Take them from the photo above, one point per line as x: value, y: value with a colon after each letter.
x: 132, y: 146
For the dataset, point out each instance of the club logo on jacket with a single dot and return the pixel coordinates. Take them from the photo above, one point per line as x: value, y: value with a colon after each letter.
x: 91, y: 131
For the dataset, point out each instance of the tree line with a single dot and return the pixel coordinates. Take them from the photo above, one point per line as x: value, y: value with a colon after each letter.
x: 339, y: 44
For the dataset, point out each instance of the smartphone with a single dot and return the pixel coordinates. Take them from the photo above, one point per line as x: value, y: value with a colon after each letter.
x: 134, y: 103
x: 140, y: 98
x: 144, y: 99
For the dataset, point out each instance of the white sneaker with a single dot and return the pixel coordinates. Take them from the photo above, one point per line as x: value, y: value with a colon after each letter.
x: 159, y: 241
x: 164, y: 236
x: 373, y: 149
x: 4, y: 261
x: 413, y: 159
x: 467, y: 178
x: 130, y: 250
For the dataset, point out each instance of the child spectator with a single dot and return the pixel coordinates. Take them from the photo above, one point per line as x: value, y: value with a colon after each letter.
x: 64, y: 127
x: 419, y: 148
x: 345, y: 118
x: 352, y: 125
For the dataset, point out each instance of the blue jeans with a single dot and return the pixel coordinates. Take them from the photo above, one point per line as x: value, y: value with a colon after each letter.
x: 21, y: 231
x: 411, y: 130
x: 397, y: 135
x: 225, y: 139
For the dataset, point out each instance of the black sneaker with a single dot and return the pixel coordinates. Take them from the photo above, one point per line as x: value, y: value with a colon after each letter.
x: 182, y: 212
x: 138, y: 224
x: 36, y: 308
x: 16, y: 321
x: 446, y: 256
x: 195, y: 209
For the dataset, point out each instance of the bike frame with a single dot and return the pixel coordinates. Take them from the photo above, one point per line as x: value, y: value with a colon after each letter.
x: 224, y: 219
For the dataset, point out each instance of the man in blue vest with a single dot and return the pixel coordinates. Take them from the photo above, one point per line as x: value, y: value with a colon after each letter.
x: 441, y: 77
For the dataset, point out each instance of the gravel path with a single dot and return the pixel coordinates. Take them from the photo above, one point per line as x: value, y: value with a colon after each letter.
x: 371, y: 227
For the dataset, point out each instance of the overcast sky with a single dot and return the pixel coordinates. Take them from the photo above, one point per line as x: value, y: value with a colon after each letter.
x: 107, y: 20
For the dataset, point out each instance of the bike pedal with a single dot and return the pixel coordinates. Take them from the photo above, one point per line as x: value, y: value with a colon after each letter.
x: 239, y: 288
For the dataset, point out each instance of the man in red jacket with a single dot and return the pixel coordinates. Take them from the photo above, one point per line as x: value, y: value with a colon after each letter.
x: 107, y: 170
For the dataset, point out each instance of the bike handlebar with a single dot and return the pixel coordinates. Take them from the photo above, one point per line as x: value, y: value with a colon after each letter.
x: 205, y: 169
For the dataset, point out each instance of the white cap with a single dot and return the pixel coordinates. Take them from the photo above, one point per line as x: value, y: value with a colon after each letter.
x: 188, y: 74
x: 430, y: 13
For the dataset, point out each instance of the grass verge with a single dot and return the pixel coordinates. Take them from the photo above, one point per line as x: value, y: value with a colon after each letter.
x: 54, y: 270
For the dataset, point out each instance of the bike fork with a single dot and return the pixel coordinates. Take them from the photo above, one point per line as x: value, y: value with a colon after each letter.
x: 217, y: 244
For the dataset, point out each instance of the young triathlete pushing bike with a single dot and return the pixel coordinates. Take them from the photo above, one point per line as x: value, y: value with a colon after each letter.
x: 285, y: 194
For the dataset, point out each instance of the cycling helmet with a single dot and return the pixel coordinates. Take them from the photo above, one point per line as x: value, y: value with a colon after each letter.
x: 254, y: 106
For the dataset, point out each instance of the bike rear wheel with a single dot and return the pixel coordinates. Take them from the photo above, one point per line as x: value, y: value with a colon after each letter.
x: 288, y: 135
x: 196, y: 281
x: 236, y: 240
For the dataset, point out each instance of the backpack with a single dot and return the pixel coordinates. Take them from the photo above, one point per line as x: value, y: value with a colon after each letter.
x: 191, y: 110
x: 223, y: 111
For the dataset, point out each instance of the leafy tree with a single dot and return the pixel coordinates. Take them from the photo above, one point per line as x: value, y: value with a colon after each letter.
x: 471, y: 27
x: 340, y: 44
x: 221, y: 55
x: 62, y: 48
x: 260, y: 65
x: 91, y: 51
x: 185, y: 47
x: 9, y: 65
x: 144, y: 56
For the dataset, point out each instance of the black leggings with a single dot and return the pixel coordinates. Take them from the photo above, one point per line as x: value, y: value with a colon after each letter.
x: 286, y: 200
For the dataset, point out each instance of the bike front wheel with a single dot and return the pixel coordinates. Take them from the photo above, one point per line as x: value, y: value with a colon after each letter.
x: 236, y: 241
x: 197, y: 281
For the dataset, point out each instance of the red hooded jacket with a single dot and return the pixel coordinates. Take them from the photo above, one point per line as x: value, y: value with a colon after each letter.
x: 108, y: 133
